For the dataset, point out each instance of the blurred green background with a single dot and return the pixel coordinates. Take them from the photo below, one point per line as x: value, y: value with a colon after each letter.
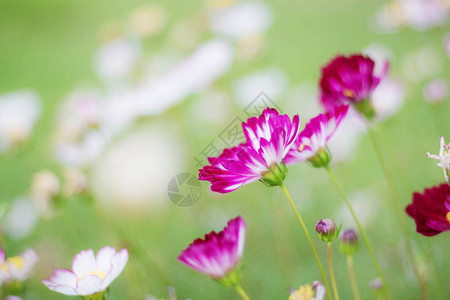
x: 48, y: 46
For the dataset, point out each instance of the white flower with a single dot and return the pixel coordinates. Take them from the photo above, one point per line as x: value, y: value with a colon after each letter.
x: 444, y: 158
x: 17, y: 268
x: 44, y: 188
x: 20, y: 219
x: 90, y: 274
x: 19, y: 111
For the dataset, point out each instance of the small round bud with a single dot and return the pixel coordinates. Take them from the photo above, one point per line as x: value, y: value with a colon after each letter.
x: 349, y: 242
x: 376, y: 284
x: 326, y: 230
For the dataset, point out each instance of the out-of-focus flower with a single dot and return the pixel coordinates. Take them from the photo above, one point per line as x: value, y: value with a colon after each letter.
x: 376, y: 284
x: 148, y: 20
x: 444, y: 158
x: 417, y: 14
x: 250, y: 47
x: 116, y: 59
x: 273, y: 82
x: 311, y: 143
x: 75, y: 181
x: 421, y: 64
x: 431, y: 210
x: 19, y: 111
x: 326, y: 230
x: 90, y: 275
x: 388, y: 97
x: 187, y: 33
x: 132, y: 175
x: 21, y: 218
x: 306, y: 292
x: 218, y: 254
x: 349, y: 242
x: 17, y: 268
x: 365, y: 203
x: 350, y: 80
x: 436, y: 90
x: 13, y: 298
x: 241, y: 20
x: 45, y: 188
x: 269, y: 138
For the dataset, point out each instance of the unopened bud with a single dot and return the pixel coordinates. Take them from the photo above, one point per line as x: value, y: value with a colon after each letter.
x: 376, y: 284
x: 349, y: 242
x: 326, y: 230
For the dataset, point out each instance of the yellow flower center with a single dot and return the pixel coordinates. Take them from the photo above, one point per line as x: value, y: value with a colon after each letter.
x: 96, y: 273
x: 448, y: 216
x: 16, y: 261
x: 305, y: 292
x: 349, y: 93
x: 301, y: 147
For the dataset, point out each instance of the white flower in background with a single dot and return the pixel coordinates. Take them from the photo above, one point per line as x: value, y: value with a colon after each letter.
x: 193, y: 74
x: 80, y: 110
x: 241, y: 20
x: 444, y: 158
x: 424, y: 14
x: 116, y: 59
x: 187, y: 33
x: 83, y: 153
x: 90, y: 275
x: 346, y: 138
x: 388, y: 97
x: 19, y: 111
x: 45, y: 187
x: 421, y: 64
x: 436, y: 90
x: 447, y: 44
x: 148, y: 20
x: 20, y: 219
x: 75, y: 181
x: 366, y: 206
x: 303, y: 97
x: 273, y: 82
x: 134, y: 172
x: 417, y: 14
x: 250, y: 47
x: 17, y: 268
x: 13, y: 298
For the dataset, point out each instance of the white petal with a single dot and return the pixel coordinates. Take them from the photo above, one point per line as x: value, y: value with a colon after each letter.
x: 84, y: 262
x: 118, y: 261
x: 104, y: 257
x: 88, y: 285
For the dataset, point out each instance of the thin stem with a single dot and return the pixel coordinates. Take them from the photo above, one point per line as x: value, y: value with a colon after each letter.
x: 351, y: 275
x: 313, y: 248
x: 397, y: 208
x: 360, y: 228
x: 333, y: 279
x: 241, y: 292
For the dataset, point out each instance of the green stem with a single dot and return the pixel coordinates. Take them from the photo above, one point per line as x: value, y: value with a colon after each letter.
x: 241, y: 292
x: 360, y: 228
x: 398, y: 209
x: 351, y: 275
x: 333, y: 279
x: 302, y: 224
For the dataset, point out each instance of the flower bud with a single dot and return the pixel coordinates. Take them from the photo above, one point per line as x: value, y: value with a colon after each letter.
x: 326, y: 230
x: 349, y: 242
x: 376, y: 285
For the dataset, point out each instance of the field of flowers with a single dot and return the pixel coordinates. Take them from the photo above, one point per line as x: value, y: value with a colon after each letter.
x: 224, y: 149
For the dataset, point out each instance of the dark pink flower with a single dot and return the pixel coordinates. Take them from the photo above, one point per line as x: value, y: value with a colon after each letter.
x: 218, y: 253
x: 431, y: 210
x: 313, y: 140
x: 269, y: 138
x: 348, y: 80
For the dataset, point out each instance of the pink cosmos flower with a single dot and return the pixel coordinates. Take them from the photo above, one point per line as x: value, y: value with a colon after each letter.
x: 268, y: 140
x: 431, y: 210
x: 349, y: 80
x: 218, y: 253
x: 312, y: 141
x: 90, y: 274
x: 17, y: 268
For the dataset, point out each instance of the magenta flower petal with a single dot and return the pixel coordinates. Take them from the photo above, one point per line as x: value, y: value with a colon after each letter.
x: 431, y: 210
x: 315, y: 136
x: 269, y: 138
x: 218, y: 253
x: 347, y: 80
